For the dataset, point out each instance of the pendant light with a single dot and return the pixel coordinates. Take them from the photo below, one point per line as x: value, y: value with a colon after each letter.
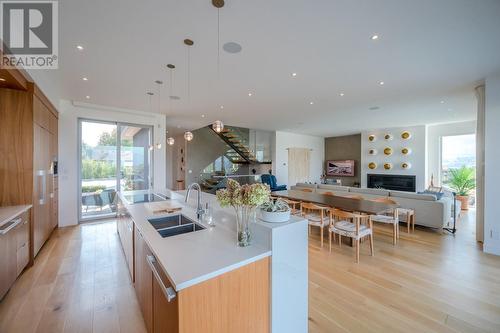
x: 188, y: 136
x: 171, y: 67
x: 150, y: 95
x: 159, y: 83
x: 218, y: 125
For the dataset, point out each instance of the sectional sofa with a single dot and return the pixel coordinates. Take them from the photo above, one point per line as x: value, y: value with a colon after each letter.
x: 429, y: 211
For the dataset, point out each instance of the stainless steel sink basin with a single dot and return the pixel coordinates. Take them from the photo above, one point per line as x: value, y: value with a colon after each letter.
x: 173, y: 225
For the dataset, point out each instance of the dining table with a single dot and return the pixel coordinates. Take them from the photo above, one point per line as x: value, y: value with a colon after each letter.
x: 339, y: 202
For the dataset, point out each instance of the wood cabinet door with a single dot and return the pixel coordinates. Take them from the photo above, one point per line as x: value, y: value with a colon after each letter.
x: 41, y: 186
x: 8, y: 261
x: 143, y: 280
x: 165, y: 313
x: 22, y: 244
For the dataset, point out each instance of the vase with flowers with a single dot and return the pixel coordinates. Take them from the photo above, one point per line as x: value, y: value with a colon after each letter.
x: 244, y: 199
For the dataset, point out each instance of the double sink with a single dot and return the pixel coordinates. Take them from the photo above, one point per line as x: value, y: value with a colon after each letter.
x: 174, y: 225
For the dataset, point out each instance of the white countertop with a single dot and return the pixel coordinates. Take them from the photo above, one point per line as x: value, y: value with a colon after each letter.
x: 8, y: 213
x: 191, y: 258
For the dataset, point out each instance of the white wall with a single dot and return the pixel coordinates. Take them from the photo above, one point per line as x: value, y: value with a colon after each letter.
x: 284, y: 140
x: 434, y: 135
x: 492, y: 163
x: 417, y: 158
x: 68, y: 150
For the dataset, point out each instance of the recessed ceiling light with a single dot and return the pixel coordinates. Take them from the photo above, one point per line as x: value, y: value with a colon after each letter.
x: 311, y: 103
x: 232, y: 47
x: 294, y: 74
x: 442, y: 102
x: 87, y: 97
x: 250, y: 94
x: 203, y: 116
x: 85, y: 79
x: 381, y: 83
x: 341, y: 94
x: 2, y: 79
x: 79, y: 47
x: 374, y: 37
x: 222, y: 107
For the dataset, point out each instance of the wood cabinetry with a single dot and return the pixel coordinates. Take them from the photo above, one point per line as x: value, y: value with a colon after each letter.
x: 28, y: 150
x: 143, y: 279
x: 14, y: 250
x: 237, y: 301
x: 125, y: 229
x: 45, y: 201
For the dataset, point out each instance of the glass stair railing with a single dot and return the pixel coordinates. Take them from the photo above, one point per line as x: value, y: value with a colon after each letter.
x: 238, y: 142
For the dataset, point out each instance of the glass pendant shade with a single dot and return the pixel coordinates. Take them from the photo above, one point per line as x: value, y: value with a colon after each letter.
x: 170, y: 141
x: 218, y: 126
x: 188, y: 136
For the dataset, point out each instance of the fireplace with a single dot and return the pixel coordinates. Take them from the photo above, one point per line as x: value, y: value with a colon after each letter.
x: 392, y: 182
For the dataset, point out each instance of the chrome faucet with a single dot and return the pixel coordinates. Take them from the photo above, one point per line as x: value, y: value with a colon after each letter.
x: 199, y: 209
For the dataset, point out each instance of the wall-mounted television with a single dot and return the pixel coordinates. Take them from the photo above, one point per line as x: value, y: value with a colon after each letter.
x: 343, y: 168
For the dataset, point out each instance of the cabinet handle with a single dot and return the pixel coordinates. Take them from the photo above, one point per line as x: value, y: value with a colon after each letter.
x: 9, y: 227
x: 168, y: 292
x: 41, y: 194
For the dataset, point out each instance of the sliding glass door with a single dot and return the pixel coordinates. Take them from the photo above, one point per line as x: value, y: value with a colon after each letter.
x: 113, y: 157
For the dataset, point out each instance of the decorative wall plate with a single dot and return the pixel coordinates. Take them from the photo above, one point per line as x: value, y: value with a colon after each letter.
x: 388, y: 137
x: 372, y: 137
x: 372, y: 165
x: 388, y: 166
x: 372, y: 152
x: 388, y: 151
x: 405, y: 135
x: 406, y: 151
x: 406, y: 165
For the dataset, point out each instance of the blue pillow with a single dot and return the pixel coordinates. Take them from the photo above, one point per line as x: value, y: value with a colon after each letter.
x: 438, y: 195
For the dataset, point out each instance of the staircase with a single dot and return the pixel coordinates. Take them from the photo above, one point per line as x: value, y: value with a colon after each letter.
x: 239, y: 153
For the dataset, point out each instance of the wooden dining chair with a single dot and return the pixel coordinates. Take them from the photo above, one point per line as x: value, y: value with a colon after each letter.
x: 294, y: 205
x: 351, y: 225
x: 390, y: 216
x: 317, y: 216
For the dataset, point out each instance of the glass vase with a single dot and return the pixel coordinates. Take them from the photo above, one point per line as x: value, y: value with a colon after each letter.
x: 244, y: 216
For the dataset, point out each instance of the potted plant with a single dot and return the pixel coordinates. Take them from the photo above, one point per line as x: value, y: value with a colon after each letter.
x: 275, y: 212
x: 244, y: 199
x: 463, y: 181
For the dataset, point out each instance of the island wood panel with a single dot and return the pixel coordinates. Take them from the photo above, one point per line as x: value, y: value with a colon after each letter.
x: 165, y: 313
x: 143, y: 279
x: 237, y: 301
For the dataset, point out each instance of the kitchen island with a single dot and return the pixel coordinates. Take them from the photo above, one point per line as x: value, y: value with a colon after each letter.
x: 201, y: 281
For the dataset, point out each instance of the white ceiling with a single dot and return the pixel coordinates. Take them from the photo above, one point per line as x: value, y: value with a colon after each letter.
x: 428, y: 51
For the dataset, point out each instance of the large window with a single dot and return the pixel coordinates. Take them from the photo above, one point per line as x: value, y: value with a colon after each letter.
x: 457, y: 151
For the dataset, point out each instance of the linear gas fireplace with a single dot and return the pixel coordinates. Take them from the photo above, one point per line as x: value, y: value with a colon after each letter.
x: 392, y: 182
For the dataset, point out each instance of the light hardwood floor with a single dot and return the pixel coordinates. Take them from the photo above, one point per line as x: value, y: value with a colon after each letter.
x: 79, y: 283
x: 427, y: 283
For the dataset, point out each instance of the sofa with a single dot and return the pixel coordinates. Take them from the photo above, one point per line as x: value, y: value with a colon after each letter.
x: 429, y: 210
